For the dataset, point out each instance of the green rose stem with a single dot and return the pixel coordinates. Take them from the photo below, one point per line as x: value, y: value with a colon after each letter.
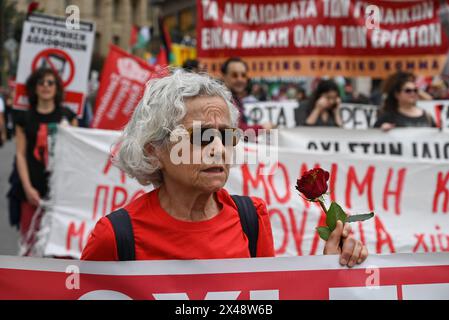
x: 322, y: 205
x: 321, y: 202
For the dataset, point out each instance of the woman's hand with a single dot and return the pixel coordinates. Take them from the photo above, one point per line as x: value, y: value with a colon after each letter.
x: 269, y: 126
x: 337, y: 113
x: 322, y: 103
x: 338, y: 103
x: 33, y: 196
x: 385, y: 127
x: 351, y: 251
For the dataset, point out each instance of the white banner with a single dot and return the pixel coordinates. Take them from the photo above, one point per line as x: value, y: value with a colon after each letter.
x: 55, y: 42
x: 354, y: 116
x: 410, y: 198
x: 419, y: 144
x: 363, y: 116
x: 380, y: 277
x: 84, y: 187
x: 280, y: 113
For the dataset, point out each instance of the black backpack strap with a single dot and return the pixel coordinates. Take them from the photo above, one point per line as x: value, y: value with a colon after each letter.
x: 249, y: 221
x: 124, y: 235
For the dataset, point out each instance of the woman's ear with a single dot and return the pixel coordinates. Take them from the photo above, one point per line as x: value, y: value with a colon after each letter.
x: 154, y: 154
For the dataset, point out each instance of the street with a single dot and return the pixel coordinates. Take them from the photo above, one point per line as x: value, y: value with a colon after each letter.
x: 9, y: 236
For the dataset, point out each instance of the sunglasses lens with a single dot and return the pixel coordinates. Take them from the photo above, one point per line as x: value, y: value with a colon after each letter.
x: 199, y: 138
x: 205, y: 136
x: 47, y: 82
x: 230, y: 137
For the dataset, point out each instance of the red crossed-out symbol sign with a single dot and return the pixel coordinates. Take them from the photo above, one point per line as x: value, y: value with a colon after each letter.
x: 57, y: 60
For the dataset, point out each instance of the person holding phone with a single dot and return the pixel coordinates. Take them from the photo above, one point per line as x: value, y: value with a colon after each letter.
x: 323, y: 107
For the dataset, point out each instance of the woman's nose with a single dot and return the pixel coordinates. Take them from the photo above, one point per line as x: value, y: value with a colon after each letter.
x: 217, y: 149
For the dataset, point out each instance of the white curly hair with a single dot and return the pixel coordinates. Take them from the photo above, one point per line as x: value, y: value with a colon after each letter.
x: 159, y: 113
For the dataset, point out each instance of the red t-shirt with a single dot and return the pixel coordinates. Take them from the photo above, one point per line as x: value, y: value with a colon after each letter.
x: 159, y: 236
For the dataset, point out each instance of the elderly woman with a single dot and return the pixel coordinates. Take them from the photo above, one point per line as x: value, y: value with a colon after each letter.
x: 189, y: 215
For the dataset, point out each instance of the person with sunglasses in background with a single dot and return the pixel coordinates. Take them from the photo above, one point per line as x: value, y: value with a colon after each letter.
x: 399, y: 108
x: 234, y: 73
x: 35, y: 140
x: 180, y: 140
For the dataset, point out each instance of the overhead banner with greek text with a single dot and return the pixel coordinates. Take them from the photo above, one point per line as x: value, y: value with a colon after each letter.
x: 409, y: 196
x: 316, y: 38
x: 381, y: 277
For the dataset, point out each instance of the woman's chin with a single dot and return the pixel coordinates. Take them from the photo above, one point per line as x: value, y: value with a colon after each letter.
x: 212, y: 186
x: 46, y: 98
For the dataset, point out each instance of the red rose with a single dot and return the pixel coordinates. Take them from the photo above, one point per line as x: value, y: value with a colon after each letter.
x: 313, y: 183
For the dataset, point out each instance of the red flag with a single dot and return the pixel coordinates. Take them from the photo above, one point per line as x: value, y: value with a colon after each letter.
x: 133, y: 37
x: 122, y: 84
x: 161, y: 58
x: 165, y: 38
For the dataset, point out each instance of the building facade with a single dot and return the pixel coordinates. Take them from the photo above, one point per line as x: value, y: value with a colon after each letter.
x: 114, y: 19
x: 179, y: 17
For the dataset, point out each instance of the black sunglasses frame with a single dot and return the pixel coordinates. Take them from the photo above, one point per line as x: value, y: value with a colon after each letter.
x: 408, y: 90
x: 197, y: 136
x: 49, y: 83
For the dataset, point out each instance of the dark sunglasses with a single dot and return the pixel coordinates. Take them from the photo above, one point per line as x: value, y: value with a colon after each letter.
x: 408, y: 90
x: 243, y: 75
x: 47, y: 82
x: 204, y: 136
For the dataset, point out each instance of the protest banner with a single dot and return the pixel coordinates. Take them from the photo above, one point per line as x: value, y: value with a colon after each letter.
x: 122, y: 84
x: 426, y: 144
x: 362, y: 116
x: 317, y: 38
x: 285, y: 114
x: 280, y: 113
x: 48, y: 42
x: 409, y: 218
x: 380, y: 277
x: 104, y: 188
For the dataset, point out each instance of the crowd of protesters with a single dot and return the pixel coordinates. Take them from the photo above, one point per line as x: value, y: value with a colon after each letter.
x: 235, y: 76
x: 396, y: 97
